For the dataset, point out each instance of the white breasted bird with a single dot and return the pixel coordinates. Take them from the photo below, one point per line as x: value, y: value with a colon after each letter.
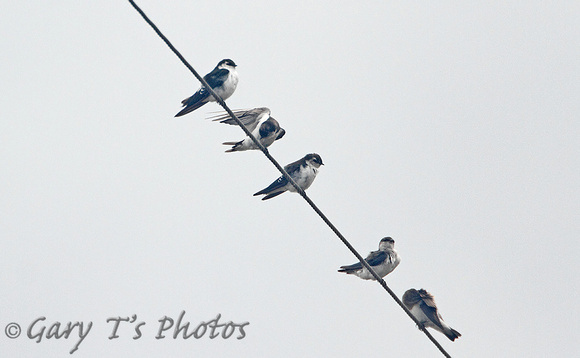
x: 258, y: 121
x: 223, y: 79
x: 383, y: 261
x: 423, y: 307
x: 302, y: 171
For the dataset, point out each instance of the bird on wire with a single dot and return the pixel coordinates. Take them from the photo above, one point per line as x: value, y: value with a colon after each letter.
x: 383, y: 261
x: 264, y: 127
x: 223, y: 79
x: 302, y: 171
x: 422, y: 305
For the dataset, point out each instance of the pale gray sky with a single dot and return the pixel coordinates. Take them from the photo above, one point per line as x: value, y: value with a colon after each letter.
x: 452, y: 127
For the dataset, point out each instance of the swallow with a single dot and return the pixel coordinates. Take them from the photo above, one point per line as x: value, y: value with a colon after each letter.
x: 258, y: 121
x: 302, y: 171
x: 423, y: 307
x: 223, y: 79
x: 383, y: 261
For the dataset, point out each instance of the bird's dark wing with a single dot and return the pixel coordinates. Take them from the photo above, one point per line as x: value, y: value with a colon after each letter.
x: 217, y: 77
x: 429, y: 307
x: 427, y: 298
x: 192, y: 103
x: 351, y: 268
x: 278, y: 184
x: 376, y: 258
x: 373, y: 259
x: 249, y: 117
x: 294, y: 166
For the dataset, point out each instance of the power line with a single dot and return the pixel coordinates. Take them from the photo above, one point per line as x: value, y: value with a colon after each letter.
x: 290, y: 180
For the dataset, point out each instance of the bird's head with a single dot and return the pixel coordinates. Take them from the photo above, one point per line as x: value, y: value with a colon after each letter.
x: 386, y: 243
x: 411, y: 297
x: 227, y: 63
x: 314, y: 160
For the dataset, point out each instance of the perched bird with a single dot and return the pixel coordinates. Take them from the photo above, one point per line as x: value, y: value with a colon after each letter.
x: 383, y: 261
x: 302, y: 171
x: 258, y: 121
x: 223, y: 79
x: 423, y: 307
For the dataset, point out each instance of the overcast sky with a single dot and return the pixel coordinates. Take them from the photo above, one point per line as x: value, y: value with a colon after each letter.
x: 451, y: 127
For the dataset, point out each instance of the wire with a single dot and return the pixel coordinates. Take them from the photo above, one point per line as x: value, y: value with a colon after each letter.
x: 289, y: 178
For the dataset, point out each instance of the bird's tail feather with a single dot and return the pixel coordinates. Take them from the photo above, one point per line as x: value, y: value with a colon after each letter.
x: 235, y: 147
x: 452, y: 334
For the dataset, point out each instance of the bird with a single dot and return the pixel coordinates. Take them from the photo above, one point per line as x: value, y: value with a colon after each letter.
x: 302, y: 171
x: 383, y: 261
x: 423, y: 307
x: 258, y: 121
x: 223, y: 79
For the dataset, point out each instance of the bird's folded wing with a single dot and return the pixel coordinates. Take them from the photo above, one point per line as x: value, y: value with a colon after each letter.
x: 217, y: 77
x: 431, y: 313
x: 294, y: 167
x: 278, y: 184
x: 353, y: 267
x: 373, y: 259
x: 429, y: 307
x: 376, y: 258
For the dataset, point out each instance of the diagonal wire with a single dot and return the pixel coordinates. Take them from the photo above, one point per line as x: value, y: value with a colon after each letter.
x: 290, y: 180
